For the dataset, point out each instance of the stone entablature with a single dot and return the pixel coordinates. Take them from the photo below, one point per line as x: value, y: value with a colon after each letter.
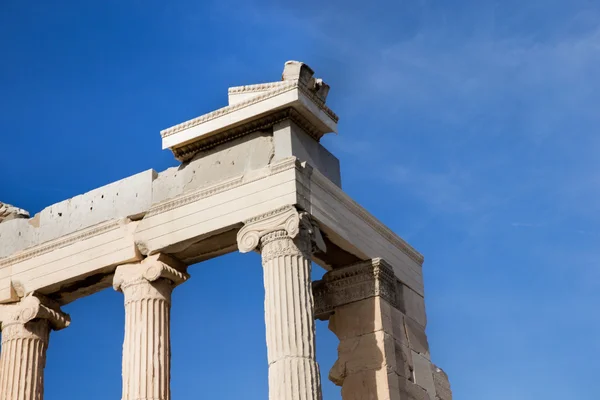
x: 97, y: 250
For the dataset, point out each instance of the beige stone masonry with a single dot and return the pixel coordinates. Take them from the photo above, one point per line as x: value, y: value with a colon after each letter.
x: 286, y: 239
x: 147, y: 288
x: 254, y: 176
x: 383, y: 353
x: 25, y: 333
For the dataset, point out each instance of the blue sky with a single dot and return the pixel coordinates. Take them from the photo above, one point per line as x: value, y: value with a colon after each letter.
x: 470, y: 128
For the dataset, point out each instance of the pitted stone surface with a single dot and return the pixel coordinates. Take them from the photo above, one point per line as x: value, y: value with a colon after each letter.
x: 223, y: 162
x: 128, y: 197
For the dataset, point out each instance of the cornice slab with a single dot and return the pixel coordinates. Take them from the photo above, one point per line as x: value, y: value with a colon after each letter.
x: 188, y: 151
x: 199, y: 132
x: 273, y: 90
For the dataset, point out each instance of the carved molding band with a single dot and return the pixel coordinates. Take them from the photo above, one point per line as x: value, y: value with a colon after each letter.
x: 353, y: 283
x: 258, y: 87
x: 188, y: 151
x: 60, y: 242
x: 30, y: 308
x: 183, y: 200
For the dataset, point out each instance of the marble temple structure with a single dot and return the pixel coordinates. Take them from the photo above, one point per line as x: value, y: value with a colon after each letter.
x: 253, y: 177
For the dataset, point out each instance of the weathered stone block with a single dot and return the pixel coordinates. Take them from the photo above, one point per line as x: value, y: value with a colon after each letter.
x: 373, y: 351
x: 416, y: 337
x: 291, y: 140
x: 411, y: 391
x: 362, y: 317
x: 412, y: 304
x: 220, y: 163
x: 399, y: 326
x: 129, y: 197
x: 17, y: 235
x: 442, y: 384
x: 371, y: 385
x: 404, y: 361
x: 423, y: 374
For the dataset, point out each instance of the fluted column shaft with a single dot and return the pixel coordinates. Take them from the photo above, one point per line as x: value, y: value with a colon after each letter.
x: 25, y: 333
x: 147, y: 289
x: 23, y: 360
x: 293, y: 369
x: 286, y: 238
x: 147, y: 345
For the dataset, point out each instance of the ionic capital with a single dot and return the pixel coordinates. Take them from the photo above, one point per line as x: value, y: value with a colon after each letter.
x: 151, y: 269
x: 286, y: 219
x: 354, y: 283
x: 33, y: 307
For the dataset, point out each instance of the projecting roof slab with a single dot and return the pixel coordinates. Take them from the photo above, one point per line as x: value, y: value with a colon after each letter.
x: 298, y: 95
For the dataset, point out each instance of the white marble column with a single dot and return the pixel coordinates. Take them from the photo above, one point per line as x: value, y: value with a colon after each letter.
x: 147, y: 288
x: 25, y: 332
x: 285, y: 239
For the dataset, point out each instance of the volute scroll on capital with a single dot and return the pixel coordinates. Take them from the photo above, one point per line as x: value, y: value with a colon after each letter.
x: 151, y: 269
x: 287, y: 219
x: 33, y: 307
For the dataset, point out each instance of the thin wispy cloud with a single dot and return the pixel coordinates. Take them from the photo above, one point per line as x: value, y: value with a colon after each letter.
x: 533, y: 94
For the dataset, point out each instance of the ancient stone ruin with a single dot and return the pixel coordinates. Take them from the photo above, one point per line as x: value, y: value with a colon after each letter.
x: 253, y: 177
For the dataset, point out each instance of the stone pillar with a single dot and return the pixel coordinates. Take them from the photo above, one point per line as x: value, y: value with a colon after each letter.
x: 285, y: 239
x: 25, y: 332
x: 383, y: 351
x: 147, y: 288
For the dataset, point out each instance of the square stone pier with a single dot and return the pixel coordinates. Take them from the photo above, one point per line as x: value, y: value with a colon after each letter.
x: 253, y: 177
